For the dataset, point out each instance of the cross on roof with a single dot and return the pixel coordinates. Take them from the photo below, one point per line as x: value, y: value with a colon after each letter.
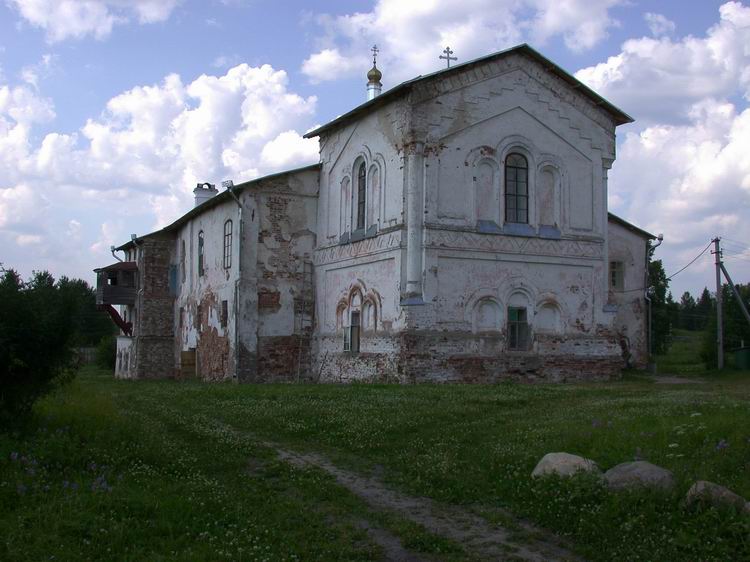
x: 375, y: 52
x: 448, y: 58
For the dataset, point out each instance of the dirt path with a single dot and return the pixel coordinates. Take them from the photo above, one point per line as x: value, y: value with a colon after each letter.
x: 475, y: 534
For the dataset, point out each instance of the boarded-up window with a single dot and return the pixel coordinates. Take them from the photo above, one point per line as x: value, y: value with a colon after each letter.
x: 224, y: 313
x: 373, y: 211
x: 485, y: 194
x: 546, y: 197
x: 547, y: 319
x: 487, y: 316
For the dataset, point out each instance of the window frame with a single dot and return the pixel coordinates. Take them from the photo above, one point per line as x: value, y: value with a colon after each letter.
x: 227, y: 260
x: 616, y: 276
x: 361, y: 195
x: 201, y: 253
x: 224, y: 313
x: 515, y: 197
x: 519, y: 337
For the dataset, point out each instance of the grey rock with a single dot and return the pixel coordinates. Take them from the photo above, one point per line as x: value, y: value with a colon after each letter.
x: 704, y: 492
x: 639, y: 474
x: 563, y: 464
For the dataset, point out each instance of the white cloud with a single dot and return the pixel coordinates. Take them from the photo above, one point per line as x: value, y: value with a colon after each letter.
x: 412, y: 34
x: 74, y: 19
x: 330, y: 63
x: 139, y: 159
x: 659, y: 24
x: 660, y: 79
x: 33, y: 73
x: 691, y: 182
x: 287, y: 149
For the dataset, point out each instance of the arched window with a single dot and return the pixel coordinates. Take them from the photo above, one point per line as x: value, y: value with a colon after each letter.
x: 228, y: 244
x: 516, y: 189
x: 361, y: 195
x: 200, y: 253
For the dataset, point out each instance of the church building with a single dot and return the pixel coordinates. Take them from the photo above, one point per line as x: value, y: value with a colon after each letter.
x: 455, y: 230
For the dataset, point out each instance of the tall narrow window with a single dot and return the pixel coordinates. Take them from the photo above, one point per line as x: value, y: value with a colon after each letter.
x: 228, y: 244
x: 182, y: 260
x: 616, y: 276
x: 518, y: 328
x: 516, y: 189
x: 224, y: 314
x: 354, y: 333
x: 200, y: 253
x: 361, y: 195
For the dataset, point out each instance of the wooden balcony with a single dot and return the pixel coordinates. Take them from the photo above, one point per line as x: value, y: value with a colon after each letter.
x: 117, y: 283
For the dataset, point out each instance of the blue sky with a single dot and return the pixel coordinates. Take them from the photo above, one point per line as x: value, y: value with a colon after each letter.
x: 111, y: 110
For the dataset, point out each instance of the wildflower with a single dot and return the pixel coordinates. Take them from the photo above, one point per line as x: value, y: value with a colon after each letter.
x: 722, y: 444
x: 14, y: 456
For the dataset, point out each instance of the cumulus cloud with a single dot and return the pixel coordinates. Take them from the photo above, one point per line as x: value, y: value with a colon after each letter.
x: 142, y: 155
x: 691, y: 182
x: 662, y: 77
x: 75, y: 19
x: 659, y: 24
x: 412, y: 34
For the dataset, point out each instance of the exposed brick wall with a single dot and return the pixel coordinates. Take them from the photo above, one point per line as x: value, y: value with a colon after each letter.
x: 278, y: 358
x: 154, y: 333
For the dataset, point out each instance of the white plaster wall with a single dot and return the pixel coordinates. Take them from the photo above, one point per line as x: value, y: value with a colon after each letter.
x: 629, y: 248
x: 216, y: 280
x: 470, y: 123
x: 376, y: 139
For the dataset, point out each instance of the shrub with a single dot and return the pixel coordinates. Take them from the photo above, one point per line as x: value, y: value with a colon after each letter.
x: 106, y: 352
x: 35, y: 351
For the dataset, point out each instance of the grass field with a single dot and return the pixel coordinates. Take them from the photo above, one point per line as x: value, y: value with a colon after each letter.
x: 161, y: 470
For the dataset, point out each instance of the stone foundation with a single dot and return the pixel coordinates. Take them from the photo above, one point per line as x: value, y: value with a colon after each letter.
x: 444, y: 357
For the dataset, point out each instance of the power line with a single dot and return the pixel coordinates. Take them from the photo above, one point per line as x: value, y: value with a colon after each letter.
x: 669, y: 277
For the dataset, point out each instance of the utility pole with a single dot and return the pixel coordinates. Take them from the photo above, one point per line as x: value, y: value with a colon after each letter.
x: 719, y: 319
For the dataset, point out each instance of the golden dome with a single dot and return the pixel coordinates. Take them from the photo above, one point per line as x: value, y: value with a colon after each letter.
x: 374, y: 75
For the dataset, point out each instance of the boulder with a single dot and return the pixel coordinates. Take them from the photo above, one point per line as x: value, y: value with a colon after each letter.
x: 639, y: 474
x: 703, y: 492
x: 563, y: 464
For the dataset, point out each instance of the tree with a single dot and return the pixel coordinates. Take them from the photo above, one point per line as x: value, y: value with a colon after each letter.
x: 736, y: 329
x: 661, y: 309
x: 704, y: 308
x: 87, y: 324
x: 687, y: 316
x: 35, y: 341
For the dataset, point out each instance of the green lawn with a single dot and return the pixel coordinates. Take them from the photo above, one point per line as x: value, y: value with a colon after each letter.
x: 161, y: 470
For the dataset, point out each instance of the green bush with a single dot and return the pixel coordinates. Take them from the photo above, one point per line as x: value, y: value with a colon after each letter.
x: 35, y: 342
x: 106, y: 352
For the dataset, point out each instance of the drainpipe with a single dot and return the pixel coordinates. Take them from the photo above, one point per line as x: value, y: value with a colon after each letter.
x: 229, y: 185
x: 651, y: 364
x: 112, y: 249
